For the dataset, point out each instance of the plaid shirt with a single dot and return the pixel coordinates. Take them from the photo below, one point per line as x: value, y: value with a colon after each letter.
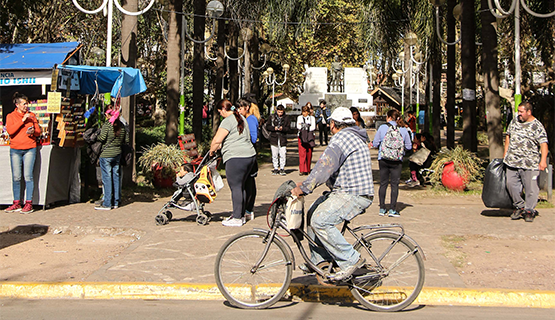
x: 345, y: 165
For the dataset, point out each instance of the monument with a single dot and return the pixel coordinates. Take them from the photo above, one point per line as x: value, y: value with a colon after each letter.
x: 344, y: 87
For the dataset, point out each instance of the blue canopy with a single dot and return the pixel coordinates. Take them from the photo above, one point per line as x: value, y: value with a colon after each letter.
x: 25, y: 56
x: 109, y: 79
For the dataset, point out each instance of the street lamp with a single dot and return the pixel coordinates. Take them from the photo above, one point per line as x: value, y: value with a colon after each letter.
x: 270, y: 79
x: 108, y: 5
x: 400, y: 73
x: 501, y: 14
x: 99, y: 53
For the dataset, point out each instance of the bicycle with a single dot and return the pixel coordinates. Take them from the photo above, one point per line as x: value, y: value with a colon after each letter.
x: 253, y: 269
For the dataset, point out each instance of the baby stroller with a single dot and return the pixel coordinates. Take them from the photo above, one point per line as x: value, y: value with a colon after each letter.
x: 193, y: 192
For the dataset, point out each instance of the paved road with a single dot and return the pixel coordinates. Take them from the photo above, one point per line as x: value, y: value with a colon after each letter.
x: 208, y: 310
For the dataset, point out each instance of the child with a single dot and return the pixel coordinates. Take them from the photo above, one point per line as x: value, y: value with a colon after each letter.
x: 185, y: 174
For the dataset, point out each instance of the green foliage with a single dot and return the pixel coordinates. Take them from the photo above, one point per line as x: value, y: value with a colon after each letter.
x: 467, y: 165
x: 483, y: 138
x: 169, y: 157
x: 149, y: 136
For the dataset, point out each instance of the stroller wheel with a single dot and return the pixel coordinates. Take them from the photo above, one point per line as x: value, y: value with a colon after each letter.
x: 161, y: 219
x: 208, y: 215
x: 202, y: 219
x: 169, y: 215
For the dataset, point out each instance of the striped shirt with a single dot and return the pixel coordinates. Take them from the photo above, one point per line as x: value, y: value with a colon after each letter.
x: 111, y: 144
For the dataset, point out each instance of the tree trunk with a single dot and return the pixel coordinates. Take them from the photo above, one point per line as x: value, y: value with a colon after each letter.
x: 451, y: 76
x: 198, y: 68
x: 436, y: 84
x: 247, y: 70
x: 173, y: 64
x: 491, y: 84
x: 220, y: 71
x: 468, y: 60
x: 256, y: 73
x: 129, y: 59
x: 233, y: 66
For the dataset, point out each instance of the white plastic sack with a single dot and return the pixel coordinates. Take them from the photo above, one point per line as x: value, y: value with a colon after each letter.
x: 216, y: 177
x: 294, y: 212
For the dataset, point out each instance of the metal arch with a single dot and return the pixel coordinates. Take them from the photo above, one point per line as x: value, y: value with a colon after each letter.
x: 535, y: 14
x: 199, y: 41
x: 208, y: 56
x: 95, y: 11
x: 235, y: 59
x: 439, y: 33
x: 504, y: 13
x: 262, y: 66
x: 120, y: 8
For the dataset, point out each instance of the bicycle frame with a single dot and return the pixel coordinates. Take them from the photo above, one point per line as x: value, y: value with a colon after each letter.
x: 279, y: 223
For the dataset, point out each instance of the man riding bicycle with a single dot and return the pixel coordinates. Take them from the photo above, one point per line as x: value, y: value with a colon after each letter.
x: 346, y: 169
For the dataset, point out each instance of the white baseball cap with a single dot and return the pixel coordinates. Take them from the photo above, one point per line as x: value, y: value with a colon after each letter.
x: 343, y: 115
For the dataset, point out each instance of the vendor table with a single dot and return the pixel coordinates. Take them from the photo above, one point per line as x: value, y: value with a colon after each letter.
x: 56, y: 175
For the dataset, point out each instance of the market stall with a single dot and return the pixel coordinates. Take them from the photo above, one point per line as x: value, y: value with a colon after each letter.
x: 28, y: 69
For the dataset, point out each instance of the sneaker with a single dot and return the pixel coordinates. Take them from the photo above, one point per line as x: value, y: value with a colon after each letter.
x: 244, y: 218
x: 344, y: 274
x: 102, y: 207
x: 306, y: 268
x: 27, y: 208
x: 383, y: 212
x: 517, y: 214
x: 233, y: 222
x: 115, y: 207
x: 249, y: 215
x: 529, y: 215
x: 275, y: 172
x: 16, y: 206
x: 408, y: 181
x: 393, y: 213
x: 413, y: 183
x: 281, y: 172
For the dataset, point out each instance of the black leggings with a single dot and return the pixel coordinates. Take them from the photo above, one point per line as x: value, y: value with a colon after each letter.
x: 390, y: 173
x: 237, y: 172
x: 250, y: 187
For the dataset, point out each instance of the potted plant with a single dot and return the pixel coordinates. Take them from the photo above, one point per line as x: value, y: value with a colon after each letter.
x: 455, y: 168
x: 159, y: 162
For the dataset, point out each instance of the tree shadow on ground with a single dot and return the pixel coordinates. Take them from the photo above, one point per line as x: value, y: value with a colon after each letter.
x: 21, y: 234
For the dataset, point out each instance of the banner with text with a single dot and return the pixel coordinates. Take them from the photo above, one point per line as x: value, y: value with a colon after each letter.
x: 25, y: 78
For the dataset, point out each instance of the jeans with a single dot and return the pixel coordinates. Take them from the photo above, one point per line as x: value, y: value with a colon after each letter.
x: 323, y: 133
x: 326, y: 212
x: 110, y: 180
x: 23, y: 159
x: 278, y: 156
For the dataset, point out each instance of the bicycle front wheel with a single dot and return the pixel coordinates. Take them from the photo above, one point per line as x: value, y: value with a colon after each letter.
x: 396, y: 281
x: 254, y: 290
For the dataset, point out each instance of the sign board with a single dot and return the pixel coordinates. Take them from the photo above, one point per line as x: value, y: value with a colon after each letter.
x: 25, y: 78
x: 69, y: 77
x: 316, y: 80
x: 54, y: 102
x: 355, y: 80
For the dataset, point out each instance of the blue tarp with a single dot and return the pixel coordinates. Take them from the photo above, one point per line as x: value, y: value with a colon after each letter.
x: 27, y: 56
x: 109, y: 79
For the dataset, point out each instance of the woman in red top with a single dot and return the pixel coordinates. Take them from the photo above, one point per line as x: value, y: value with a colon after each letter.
x: 23, y: 128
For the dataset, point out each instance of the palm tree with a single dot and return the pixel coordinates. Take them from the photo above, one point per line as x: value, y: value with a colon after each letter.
x: 173, y: 67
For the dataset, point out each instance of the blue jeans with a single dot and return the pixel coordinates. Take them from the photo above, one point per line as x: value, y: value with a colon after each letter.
x: 326, y: 212
x: 23, y: 159
x: 110, y: 180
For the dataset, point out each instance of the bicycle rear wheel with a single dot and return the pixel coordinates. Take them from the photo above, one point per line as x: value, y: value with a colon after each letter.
x: 400, y: 279
x: 239, y: 285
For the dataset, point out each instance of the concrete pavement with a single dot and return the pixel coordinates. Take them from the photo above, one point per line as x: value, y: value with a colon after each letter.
x: 176, y: 261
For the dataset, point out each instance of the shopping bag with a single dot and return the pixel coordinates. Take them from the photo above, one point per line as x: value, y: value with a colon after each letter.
x: 420, y: 156
x: 494, y: 192
x: 294, y: 212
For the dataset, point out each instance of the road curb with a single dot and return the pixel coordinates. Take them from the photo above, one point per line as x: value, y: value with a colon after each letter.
x: 307, y: 293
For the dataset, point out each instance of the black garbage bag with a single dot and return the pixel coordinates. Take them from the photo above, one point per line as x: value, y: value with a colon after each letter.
x: 494, y: 192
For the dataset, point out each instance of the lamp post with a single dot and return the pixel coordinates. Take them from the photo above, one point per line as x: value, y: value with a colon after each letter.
x: 501, y: 14
x: 108, y: 6
x: 411, y: 39
x: 270, y: 79
x: 399, y: 80
x: 401, y: 73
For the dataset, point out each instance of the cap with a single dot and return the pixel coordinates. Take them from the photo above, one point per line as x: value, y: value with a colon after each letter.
x: 342, y: 114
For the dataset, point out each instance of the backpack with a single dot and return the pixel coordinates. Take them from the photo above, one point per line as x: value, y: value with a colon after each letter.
x: 393, y: 144
x: 204, y: 186
x: 265, y: 132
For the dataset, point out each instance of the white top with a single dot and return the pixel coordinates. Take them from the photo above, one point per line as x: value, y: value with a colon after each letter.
x: 309, y: 121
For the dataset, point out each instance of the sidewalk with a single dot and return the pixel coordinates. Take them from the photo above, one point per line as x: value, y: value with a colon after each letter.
x: 176, y: 261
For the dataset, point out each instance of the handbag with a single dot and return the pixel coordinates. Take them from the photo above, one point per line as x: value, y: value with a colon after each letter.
x: 294, y: 212
x: 127, y: 152
x: 420, y: 156
x: 307, y: 137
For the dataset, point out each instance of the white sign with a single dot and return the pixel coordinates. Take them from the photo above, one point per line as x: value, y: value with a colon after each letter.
x: 469, y: 94
x: 25, y: 78
x: 316, y: 80
x: 68, y: 76
x: 355, y: 81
